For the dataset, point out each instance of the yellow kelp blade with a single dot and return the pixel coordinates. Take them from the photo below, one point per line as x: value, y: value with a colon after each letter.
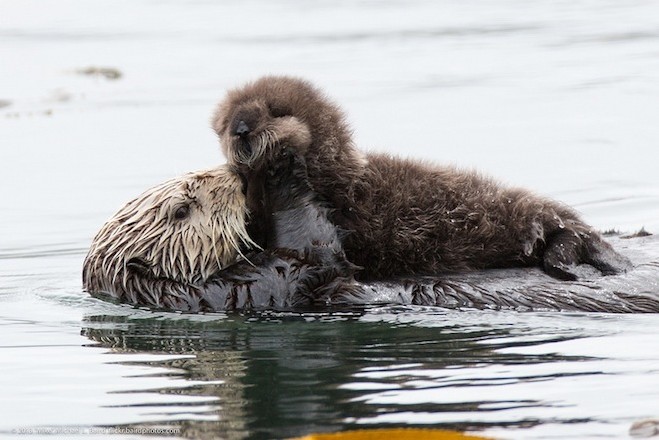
x: 393, y: 434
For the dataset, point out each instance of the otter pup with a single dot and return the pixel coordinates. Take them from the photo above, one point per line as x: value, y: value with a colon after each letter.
x: 402, y: 217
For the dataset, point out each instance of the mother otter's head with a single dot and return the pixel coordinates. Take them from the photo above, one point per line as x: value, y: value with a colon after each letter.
x: 182, y: 230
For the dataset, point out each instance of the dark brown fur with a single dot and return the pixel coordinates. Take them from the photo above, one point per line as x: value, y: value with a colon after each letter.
x: 305, y: 266
x: 403, y: 217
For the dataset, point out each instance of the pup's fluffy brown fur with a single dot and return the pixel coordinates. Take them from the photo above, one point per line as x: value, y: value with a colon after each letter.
x: 402, y: 217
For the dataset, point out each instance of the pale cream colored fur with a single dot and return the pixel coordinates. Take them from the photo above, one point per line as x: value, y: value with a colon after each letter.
x: 186, y: 250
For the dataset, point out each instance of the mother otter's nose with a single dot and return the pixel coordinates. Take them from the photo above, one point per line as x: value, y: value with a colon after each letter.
x: 242, y: 129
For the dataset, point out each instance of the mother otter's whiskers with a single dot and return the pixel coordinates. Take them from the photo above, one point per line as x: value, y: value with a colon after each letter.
x: 229, y: 239
x: 249, y: 243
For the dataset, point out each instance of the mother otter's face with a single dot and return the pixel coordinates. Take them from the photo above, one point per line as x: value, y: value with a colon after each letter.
x: 185, y: 230
x: 255, y: 119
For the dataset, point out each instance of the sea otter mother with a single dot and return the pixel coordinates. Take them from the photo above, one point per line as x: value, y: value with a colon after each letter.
x: 183, y: 246
x: 401, y: 217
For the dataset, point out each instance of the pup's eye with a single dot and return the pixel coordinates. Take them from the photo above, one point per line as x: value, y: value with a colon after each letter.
x: 182, y: 212
x: 278, y: 111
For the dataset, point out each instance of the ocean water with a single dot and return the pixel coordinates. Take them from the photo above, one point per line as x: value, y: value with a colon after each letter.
x: 561, y: 97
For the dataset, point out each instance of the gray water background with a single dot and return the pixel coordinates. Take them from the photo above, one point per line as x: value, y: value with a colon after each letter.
x: 558, y: 96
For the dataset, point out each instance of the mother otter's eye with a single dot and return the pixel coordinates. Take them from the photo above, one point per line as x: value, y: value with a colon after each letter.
x: 182, y: 212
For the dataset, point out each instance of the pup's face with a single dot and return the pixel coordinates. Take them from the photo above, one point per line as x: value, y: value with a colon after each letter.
x: 254, y: 122
x: 185, y: 230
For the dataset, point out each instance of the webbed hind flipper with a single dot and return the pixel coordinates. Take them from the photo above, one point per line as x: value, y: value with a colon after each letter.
x: 567, y: 250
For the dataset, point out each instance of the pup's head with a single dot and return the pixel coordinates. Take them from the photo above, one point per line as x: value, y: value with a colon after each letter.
x: 183, y: 230
x: 261, y: 116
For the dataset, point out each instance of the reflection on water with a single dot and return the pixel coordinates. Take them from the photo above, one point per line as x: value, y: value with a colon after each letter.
x: 280, y: 375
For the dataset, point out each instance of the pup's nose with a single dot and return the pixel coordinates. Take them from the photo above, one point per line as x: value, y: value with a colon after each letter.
x: 242, y: 129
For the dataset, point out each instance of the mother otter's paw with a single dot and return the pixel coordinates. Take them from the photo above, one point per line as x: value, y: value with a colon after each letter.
x: 567, y: 250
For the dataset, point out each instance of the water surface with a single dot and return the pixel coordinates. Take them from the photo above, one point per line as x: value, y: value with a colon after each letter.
x: 557, y: 96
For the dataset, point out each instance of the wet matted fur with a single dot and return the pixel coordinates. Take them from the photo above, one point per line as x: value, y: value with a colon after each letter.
x: 404, y: 217
x: 306, y: 267
x: 162, y: 247
x: 183, y: 230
